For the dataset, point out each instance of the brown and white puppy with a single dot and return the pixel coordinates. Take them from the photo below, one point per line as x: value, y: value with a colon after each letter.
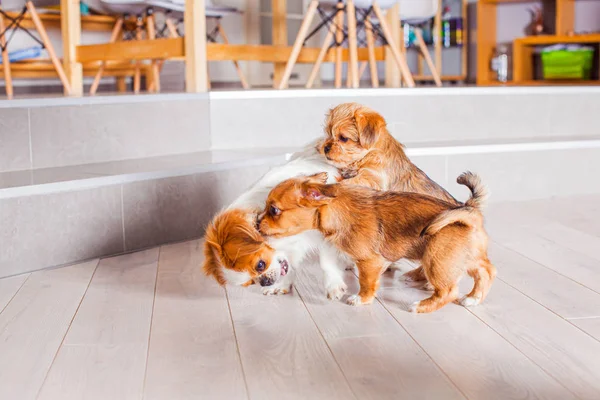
x: 376, y: 228
x: 359, y: 144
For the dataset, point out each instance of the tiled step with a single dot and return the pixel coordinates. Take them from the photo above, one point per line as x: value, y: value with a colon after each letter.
x: 56, y: 216
x: 46, y: 133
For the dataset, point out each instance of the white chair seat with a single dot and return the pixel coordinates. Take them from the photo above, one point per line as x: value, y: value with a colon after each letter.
x: 134, y: 7
x: 383, y: 4
x: 417, y: 11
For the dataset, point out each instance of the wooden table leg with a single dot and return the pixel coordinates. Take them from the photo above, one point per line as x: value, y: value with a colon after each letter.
x: 70, y: 24
x: 196, y: 67
x: 339, y: 37
x: 5, y: 62
x: 437, y: 36
x: 280, y: 37
x: 352, y: 43
x: 371, y: 49
x: 113, y: 38
x: 151, y: 31
x: 39, y: 26
x: 137, y: 77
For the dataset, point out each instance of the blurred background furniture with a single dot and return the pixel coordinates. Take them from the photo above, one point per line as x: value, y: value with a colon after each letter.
x: 332, y: 13
x: 559, y: 18
x: 9, y: 23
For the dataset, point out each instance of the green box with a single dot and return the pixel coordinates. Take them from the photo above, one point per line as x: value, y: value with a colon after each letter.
x: 567, y: 64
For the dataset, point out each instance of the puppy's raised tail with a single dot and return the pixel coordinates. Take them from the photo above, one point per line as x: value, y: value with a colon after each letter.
x: 469, y: 214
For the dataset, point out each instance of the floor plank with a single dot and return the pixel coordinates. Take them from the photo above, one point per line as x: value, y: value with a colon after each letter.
x: 589, y: 325
x: 562, y: 295
x: 104, y: 353
x: 548, y: 253
x: 559, y: 348
x: 193, y: 352
x: 479, y: 361
x: 33, y: 325
x: 283, y: 354
x: 379, y: 359
x: 9, y: 287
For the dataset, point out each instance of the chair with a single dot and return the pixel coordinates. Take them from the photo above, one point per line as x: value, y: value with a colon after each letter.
x: 415, y: 13
x: 332, y: 14
x: 15, y: 23
x: 174, y: 11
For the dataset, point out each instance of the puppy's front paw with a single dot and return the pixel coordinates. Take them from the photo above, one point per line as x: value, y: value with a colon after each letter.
x: 348, y: 173
x: 470, y: 301
x: 337, y: 291
x: 270, y: 290
x: 353, y: 300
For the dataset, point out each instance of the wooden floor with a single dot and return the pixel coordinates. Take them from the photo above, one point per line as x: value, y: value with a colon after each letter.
x: 150, y: 325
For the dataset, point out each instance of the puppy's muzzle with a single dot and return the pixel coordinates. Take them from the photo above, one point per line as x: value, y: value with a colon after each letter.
x: 327, y: 148
x: 266, y: 280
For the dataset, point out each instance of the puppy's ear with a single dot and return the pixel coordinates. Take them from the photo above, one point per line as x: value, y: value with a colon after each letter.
x: 321, y: 177
x: 315, y: 194
x: 370, y: 126
x: 211, y: 265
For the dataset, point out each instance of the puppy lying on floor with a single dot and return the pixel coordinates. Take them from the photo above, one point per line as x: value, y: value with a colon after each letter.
x: 359, y: 144
x: 236, y: 253
x: 377, y: 228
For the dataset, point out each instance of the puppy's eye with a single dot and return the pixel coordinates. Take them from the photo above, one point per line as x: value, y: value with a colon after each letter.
x: 274, y: 211
x: 260, y: 267
x: 343, y: 139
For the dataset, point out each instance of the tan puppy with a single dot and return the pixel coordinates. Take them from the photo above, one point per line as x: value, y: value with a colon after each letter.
x: 376, y: 228
x: 359, y: 144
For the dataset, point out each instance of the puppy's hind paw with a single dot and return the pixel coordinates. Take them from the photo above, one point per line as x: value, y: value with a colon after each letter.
x: 336, y: 292
x: 470, y: 301
x: 356, y: 300
x: 414, y: 307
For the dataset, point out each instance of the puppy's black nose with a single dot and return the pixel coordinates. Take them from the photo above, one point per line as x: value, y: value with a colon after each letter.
x: 327, y: 148
x: 264, y: 281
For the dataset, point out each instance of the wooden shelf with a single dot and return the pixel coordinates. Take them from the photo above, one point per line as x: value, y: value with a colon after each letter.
x: 544, y: 82
x: 553, y: 39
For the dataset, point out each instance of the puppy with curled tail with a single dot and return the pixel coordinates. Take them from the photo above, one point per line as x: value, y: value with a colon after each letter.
x: 376, y: 228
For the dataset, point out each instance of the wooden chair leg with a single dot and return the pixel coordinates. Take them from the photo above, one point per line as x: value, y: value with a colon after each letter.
x: 171, y: 28
x: 5, y: 62
x: 352, y: 43
x: 362, y: 69
x: 427, y: 56
x: 137, y: 77
x: 39, y: 26
x: 339, y: 36
x: 310, y: 14
x: 400, y: 59
x: 371, y: 49
x: 113, y: 38
x: 238, y: 69
x: 321, y: 56
x: 151, y: 32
